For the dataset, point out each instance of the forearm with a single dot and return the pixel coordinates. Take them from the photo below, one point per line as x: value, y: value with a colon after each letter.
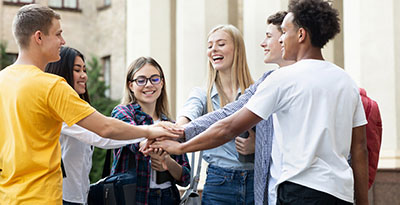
x: 174, y: 168
x: 360, y: 172
x: 359, y: 159
x: 119, y: 130
x: 108, y: 127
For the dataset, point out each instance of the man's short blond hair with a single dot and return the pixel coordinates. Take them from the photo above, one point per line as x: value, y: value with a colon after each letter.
x: 29, y: 19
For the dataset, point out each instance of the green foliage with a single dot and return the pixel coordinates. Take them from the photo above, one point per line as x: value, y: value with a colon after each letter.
x: 97, y: 89
x: 103, y: 104
x: 4, y: 58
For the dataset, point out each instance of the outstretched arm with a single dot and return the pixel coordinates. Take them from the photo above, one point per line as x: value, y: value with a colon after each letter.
x: 112, y: 128
x: 200, y: 124
x: 218, y: 134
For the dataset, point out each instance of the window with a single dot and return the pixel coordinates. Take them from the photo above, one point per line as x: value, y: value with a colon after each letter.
x: 21, y: 2
x: 107, y: 2
x: 103, y: 4
x: 106, y: 72
x: 64, y: 4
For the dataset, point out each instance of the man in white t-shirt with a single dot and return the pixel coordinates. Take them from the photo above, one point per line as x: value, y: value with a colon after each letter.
x: 318, y: 108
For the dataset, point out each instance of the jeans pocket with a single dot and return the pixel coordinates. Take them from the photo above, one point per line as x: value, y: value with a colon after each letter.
x: 215, y: 179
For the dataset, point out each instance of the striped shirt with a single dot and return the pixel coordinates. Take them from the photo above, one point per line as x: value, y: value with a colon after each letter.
x: 264, y: 136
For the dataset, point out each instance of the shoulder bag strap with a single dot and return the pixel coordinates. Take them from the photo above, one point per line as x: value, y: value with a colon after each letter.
x: 106, y: 166
x: 195, y: 180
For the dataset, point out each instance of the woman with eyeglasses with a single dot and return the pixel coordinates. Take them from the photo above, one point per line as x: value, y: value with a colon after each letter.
x: 145, y: 103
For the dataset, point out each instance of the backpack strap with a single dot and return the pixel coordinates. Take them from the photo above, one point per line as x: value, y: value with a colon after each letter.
x: 194, y: 181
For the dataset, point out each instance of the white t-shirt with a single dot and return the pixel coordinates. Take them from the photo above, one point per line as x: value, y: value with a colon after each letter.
x: 317, y: 104
x: 153, y: 176
x: 276, y: 160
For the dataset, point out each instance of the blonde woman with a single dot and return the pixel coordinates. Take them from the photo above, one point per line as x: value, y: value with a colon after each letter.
x: 229, y: 180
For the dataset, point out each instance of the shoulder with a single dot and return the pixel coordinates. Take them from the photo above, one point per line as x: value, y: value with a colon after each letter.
x: 123, y: 110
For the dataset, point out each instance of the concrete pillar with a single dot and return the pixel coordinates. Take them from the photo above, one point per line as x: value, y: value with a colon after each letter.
x: 371, y: 48
x: 194, y: 21
x: 151, y: 32
x: 333, y: 51
x: 255, y: 13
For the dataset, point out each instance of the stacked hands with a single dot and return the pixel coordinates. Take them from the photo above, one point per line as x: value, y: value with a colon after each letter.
x: 159, y: 145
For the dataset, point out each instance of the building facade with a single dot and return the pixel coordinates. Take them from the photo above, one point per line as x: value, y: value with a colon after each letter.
x: 174, y: 32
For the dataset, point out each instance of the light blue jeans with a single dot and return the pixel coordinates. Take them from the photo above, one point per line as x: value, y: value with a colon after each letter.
x: 226, y: 186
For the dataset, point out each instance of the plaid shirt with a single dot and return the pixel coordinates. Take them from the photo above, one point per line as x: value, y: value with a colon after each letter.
x: 133, y: 114
x: 264, y: 135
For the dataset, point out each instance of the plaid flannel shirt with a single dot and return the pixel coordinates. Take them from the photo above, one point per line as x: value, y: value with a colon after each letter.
x: 133, y: 114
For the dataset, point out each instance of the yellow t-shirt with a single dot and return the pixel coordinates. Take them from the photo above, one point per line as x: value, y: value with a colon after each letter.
x: 33, y: 105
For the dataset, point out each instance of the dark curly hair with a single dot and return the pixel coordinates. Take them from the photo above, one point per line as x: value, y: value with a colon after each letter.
x: 318, y: 18
x: 277, y: 19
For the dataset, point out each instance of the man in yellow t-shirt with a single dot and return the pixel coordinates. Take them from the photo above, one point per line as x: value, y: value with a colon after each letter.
x: 33, y: 105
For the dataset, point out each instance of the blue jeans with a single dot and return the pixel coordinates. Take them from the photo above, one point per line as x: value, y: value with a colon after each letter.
x: 226, y: 186
x: 168, y: 196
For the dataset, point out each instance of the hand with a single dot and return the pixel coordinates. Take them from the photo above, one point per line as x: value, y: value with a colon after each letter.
x: 174, y: 128
x: 155, y: 131
x: 170, y: 146
x: 158, y: 160
x: 246, y: 146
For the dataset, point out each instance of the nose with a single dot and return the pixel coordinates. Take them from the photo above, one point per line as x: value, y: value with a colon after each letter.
x: 263, y: 43
x: 148, y: 83
x: 281, y: 40
x: 62, y: 41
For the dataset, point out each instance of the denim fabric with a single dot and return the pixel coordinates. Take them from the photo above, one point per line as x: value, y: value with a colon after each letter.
x: 167, y: 196
x: 264, y: 137
x: 226, y: 155
x: 224, y: 186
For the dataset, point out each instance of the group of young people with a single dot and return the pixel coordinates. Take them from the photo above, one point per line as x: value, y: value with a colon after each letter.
x: 307, y: 115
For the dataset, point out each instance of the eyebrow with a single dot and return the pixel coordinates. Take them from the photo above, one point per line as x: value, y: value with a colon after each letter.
x: 218, y: 40
x: 79, y: 65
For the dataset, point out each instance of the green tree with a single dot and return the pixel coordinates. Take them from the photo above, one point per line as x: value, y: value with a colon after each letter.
x: 4, y: 58
x: 103, y: 104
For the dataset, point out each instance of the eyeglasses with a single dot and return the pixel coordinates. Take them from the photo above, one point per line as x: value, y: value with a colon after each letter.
x: 142, y: 80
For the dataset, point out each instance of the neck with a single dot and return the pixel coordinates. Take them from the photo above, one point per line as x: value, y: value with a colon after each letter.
x: 285, y: 63
x: 310, y: 52
x: 27, y: 57
x: 150, y: 109
x: 227, y: 85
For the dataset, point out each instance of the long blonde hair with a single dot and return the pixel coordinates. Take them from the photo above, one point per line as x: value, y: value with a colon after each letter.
x: 129, y: 96
x: 240, y: 73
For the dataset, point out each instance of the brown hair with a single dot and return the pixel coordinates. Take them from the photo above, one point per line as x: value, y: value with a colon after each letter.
x: 29, y: 19
x: 129, y: 97
x: 277, y: 19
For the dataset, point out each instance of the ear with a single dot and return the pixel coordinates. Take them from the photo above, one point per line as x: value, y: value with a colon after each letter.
x: 37, y: 36
x: 130, y: 86
x: 302, y: 34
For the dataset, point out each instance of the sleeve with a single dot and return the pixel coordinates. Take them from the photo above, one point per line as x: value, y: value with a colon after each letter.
x: 123, y: 113
x: 92, y: 138
x: 196, y: 105
x: 268, y: 97
x: 184, y: 162
x: 359, y: 118
x: 65, y: 103
x: 200, y: 124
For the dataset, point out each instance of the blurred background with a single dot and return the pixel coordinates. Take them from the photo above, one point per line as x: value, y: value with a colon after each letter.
x: 112, y: 33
